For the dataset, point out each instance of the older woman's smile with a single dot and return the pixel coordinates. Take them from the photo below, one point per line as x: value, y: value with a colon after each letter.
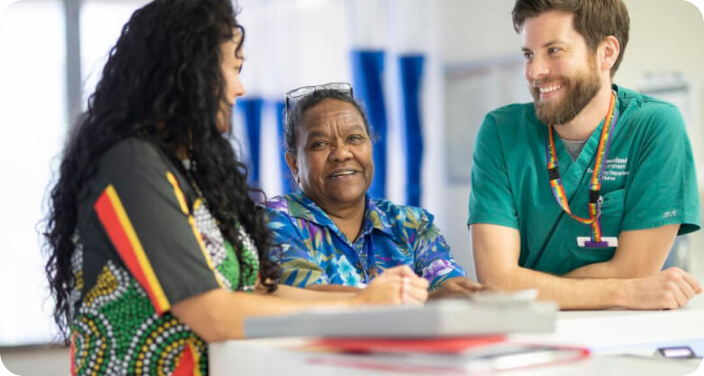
x: 343, y: 174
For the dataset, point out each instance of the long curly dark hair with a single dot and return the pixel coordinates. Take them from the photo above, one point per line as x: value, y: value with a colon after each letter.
x: 162, y: 82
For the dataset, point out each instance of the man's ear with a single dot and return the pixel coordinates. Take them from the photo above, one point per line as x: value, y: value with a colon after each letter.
x: 610, y: 50
x: 292, y: 163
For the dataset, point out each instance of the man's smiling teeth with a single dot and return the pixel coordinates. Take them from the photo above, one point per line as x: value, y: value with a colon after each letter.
x: 342, y: 173
x: 548, y: 89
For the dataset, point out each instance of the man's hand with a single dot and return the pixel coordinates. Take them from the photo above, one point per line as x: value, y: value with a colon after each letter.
x: 669, y: 289
x: 458, y: 287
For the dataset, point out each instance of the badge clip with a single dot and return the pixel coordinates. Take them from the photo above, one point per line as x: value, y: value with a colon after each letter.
x: 606, y: 241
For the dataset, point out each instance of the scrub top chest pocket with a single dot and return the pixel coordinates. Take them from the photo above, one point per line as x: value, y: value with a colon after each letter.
x: 612, y: 212
x: 611, y: 215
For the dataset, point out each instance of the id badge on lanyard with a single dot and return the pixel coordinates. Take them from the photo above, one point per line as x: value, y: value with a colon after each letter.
x: 596, y: 240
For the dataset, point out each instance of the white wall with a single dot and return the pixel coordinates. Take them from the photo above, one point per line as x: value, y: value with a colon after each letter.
x: 32, y: 116
x: 468, y: 31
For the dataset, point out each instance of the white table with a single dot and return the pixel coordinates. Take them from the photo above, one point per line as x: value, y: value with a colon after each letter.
x: 274, y: 357
x: 613, y: 336
x: 624, y: 331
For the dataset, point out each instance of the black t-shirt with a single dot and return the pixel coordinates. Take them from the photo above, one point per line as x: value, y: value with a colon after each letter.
x: 145, y: 241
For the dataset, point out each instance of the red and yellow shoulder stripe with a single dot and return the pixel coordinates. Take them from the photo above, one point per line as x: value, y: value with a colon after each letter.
x: 118, y: 226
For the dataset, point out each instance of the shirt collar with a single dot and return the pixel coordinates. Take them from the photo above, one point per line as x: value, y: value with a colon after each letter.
x: 301, y: 206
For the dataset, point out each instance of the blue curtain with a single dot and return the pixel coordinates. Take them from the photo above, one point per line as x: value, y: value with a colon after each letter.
x: 411, y: 72
x: 252, y: 113
x: 287, y: 183
x: 367, y: 77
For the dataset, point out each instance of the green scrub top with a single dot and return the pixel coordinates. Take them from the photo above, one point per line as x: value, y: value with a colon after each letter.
x: 649, y: 181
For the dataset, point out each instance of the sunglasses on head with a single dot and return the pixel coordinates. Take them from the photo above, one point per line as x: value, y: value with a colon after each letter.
x: 296, y: 94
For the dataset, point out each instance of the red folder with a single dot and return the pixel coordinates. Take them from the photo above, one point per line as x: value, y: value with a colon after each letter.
x: 452, y: 345
x: 453, y: 355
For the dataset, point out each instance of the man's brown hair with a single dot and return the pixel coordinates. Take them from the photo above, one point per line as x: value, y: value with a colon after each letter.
x: 593, y: 19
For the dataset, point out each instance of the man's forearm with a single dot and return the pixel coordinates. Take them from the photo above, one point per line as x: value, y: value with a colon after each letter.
x: 604, y: 269
x: 569, y: 293
x: 640, y: 253
x: 636, y: 264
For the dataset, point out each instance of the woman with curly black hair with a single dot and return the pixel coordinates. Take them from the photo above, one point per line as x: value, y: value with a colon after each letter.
x: 155, y: 246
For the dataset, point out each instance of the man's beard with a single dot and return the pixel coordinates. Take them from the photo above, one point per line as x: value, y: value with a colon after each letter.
x: 579, y: 92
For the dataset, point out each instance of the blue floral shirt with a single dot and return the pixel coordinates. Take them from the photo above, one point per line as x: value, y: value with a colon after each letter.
x: 315, y: 251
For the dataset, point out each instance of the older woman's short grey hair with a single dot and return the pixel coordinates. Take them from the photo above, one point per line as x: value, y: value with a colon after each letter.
x: 295, y: 114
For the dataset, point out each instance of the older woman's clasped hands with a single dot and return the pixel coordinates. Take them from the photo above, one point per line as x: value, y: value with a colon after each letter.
x: 397, y: 285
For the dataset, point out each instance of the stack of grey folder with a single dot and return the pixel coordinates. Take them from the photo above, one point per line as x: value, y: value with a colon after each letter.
x: 444, y: 318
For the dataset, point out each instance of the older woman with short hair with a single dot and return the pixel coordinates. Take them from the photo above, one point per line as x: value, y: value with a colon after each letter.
x: 333, y: 236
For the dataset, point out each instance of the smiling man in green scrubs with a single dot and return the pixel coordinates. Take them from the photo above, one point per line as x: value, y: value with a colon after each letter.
x: 582, y: 193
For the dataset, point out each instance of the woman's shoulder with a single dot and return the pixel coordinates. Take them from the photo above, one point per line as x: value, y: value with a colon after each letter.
x: 131, y: 161
x: 133, y: 149
x: 277, y: 203
x: 132, y: 155
x: 297, y: 209
x: 293, y: 204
